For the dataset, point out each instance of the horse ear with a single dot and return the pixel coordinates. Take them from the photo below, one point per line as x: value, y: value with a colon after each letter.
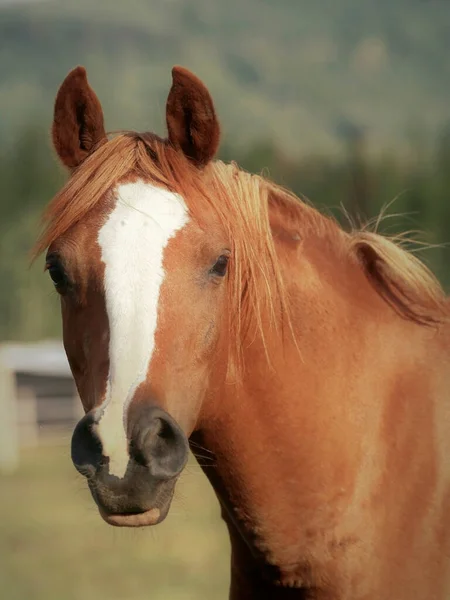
x: 78, y: 119
x: 191, y: 119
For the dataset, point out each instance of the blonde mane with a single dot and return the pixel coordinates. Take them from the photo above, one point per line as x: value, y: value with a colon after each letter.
x: 242, y: 201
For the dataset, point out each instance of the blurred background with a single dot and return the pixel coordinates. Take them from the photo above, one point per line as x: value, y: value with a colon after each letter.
x: 347, y: 102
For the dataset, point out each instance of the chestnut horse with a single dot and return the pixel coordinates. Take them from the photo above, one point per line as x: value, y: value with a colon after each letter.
x: 203, y: 305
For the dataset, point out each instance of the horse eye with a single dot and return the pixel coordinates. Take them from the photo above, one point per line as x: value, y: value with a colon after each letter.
x: 220, y: 267
x: 57, y: 275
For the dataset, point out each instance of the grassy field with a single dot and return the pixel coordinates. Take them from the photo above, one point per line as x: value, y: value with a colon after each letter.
x: 54, y: 545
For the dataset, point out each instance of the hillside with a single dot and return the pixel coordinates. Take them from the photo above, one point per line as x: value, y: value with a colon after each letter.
x: 291, y: 70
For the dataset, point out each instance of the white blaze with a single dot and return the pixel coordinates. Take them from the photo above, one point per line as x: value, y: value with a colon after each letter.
x: 132, y: 243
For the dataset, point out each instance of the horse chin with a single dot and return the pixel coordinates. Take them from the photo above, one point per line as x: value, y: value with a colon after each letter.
x: 154, y: 512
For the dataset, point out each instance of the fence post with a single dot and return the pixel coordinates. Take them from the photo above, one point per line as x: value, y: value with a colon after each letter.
x: 27, y: 417
x: 9, y: 434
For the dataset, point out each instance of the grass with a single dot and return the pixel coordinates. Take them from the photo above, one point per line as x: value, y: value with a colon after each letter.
x: 54, y: 545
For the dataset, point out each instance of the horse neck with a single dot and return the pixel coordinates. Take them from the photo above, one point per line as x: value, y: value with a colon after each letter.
x: 272, y: 439
x: 290, y: 442
x: 297, y: 445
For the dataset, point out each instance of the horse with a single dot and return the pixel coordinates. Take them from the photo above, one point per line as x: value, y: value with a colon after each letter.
x: 207, y: 308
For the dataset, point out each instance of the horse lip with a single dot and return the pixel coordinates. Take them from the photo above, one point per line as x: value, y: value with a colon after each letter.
x: 144, y: 519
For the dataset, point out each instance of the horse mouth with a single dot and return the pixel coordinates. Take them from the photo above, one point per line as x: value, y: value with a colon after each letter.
x: 142, y: 519
x: 129, y: 511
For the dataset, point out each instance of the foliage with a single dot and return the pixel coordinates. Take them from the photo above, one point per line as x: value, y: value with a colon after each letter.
x: 295, y: 67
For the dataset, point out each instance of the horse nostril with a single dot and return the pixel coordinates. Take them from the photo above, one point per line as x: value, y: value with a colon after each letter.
x: 86, y: 448
x: 166, y: 431
x: 138, y: 454
x: 159, y: 444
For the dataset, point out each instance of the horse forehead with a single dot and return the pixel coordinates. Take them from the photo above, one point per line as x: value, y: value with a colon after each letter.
x: 139, y: 205
x: 139, y: 226
x: 132, y: 242
x: 133, y: 238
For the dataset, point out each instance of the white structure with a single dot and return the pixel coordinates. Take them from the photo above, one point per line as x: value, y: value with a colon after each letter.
x: 38, y: 398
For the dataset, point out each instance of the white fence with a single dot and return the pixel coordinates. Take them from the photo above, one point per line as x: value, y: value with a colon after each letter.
x: 38, y: 398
